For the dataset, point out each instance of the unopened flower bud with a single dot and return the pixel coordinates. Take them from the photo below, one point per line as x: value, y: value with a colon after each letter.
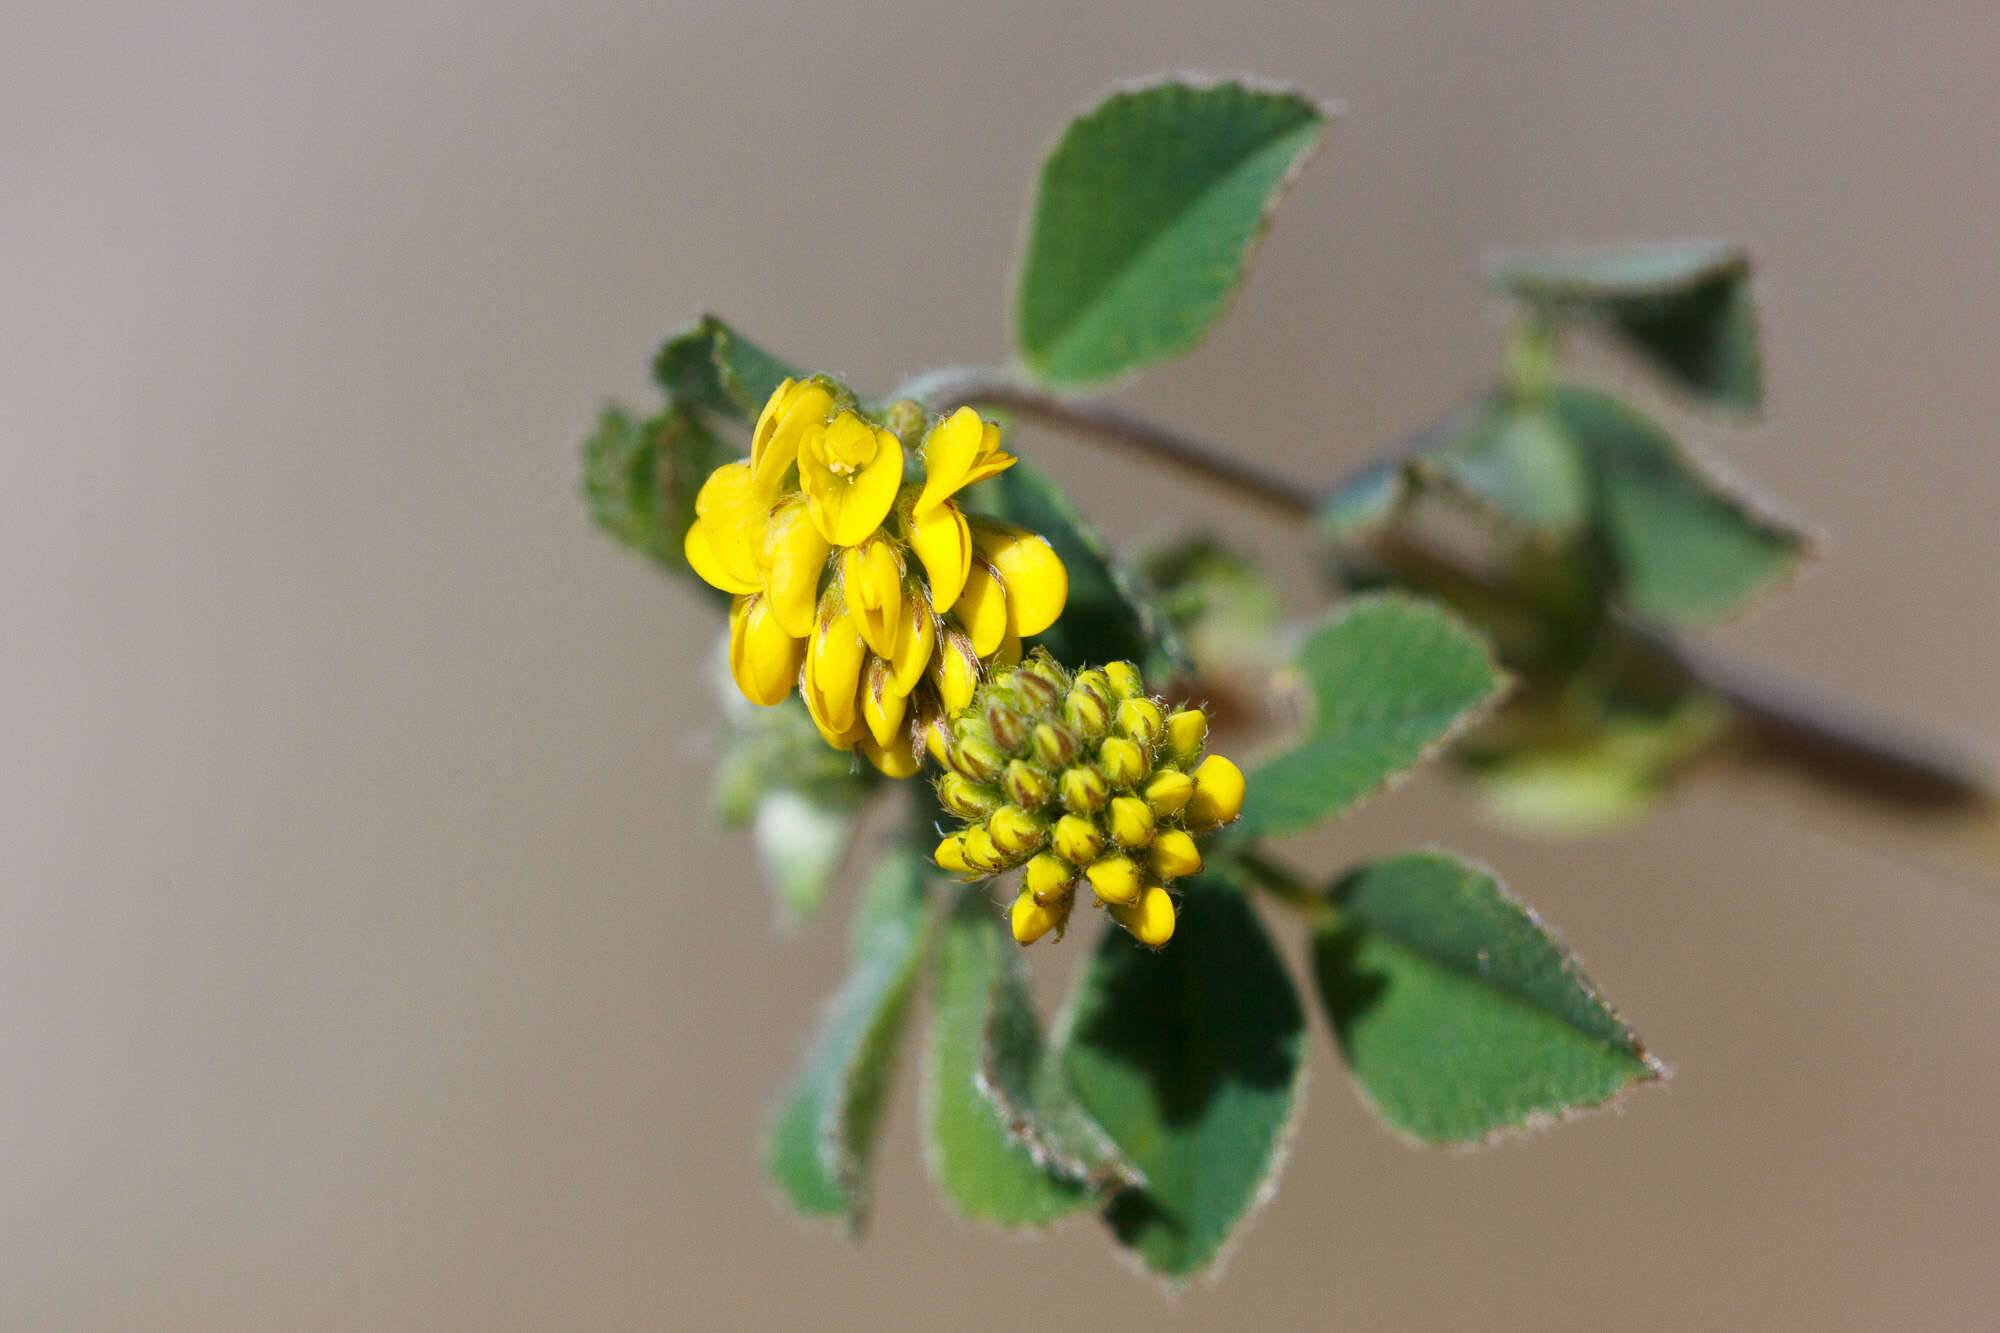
x: 1087, y: 711
x: 1048, y: 878
x: 976, y: 759
x: 1084, y: 791
x: 1124, y: 680
x: 1151, y: 919
x: 1130, y: 821
x: 1168, y: 790
x: 1187, y: 732
x: 1122, y: 762
x: 1041, y: 683
x: 1077, y: 841
x: 1008, y: 727
x: 976, y: 846
x: 1056, y: 745
x: 950, y: 855
x: 1140, y: 719
x: 1026, y: 785
x: 1117, y: 880
x: 1031, y: 920
x: 1218, y: 793
x: 1015, y: 832
x: 967, y: 800
x: 1173, y: 854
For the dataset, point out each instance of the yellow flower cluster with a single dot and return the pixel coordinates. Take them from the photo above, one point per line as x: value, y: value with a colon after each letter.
x: 875, y: 595
x: 1082, y: 777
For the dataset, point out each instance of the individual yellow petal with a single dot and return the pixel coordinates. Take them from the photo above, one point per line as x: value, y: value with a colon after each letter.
x: 1009, y: 651
x: 882, y: 708
x: 833, y: 671
x: 1151, y: 919
x: 850, y: 472
x: 840, y: 738
x: 914, y: 640
x: 982, y: 609
x: 731, y: 520
x: 895, y: 760
x: 872, y: 578
x: 943, y: 542
x: 955, y: 671
x: 949, y: 450
x: 1218, y: 793
x: 763, y: 658
x: 801, y: 410
x: 727, y: 489
x: 1037, y: 584
x: 700, y: 551
x: 794, y: 557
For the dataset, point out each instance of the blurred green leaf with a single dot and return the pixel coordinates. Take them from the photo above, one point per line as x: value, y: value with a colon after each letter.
x: 713, y: 368
x: 1687, y: 551
x: 1192, y: 1059
x: 1364, y: 502
x: 801, y: 844
x: 1459, y: 1014
x: 1391, y: 679
x: 1149, y: 208
x: 1685, y: 306
x: 1111, y: 613
x: 1225, y: 606
x: 1515, y: 461
x: 984, y: 1169
x: 640, y: 479
x: 822, y: 1138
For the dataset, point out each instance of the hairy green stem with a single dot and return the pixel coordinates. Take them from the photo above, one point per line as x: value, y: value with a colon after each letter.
x: 1825, y: 742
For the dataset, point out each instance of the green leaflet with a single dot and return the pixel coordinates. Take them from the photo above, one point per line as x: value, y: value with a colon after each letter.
x: 713, y: 368
x: 1515, y: 461
x: 822, y: 1137
x: 640, y: 479
x: 1192, y: 1059
x: 1149, y: 208
x: 1391, y: 678
x: 1686, y: 551
x: 1685, y: 306
x: 1459, y: 1015
x: 979, y: 998
x: 1111, y: 613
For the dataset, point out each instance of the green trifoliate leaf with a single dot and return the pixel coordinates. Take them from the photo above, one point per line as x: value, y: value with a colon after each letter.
x: 713, y: 368
x: 1192, y: 1059
x: 822, y: 1138
x: 640, y: 479
x: 978, y: 998
x: 1687, y: 550
x: 1111, y: 615
x: 1685, y: 306
x: 1149, y: 208
x: 1513, y: 460
x: 1390, y: 679
x: 1460, y: 1016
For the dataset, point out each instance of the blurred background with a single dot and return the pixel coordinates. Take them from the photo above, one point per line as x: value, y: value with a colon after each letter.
x: 367, y: 956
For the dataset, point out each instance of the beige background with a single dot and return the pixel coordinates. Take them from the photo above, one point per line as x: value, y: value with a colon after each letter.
x: 367, y: 959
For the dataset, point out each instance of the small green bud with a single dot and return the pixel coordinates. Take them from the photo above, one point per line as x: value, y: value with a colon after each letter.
x: 1027, y: 785
x: 1008, y: 727
x: 906, y: 418
x: 1041, y: 683
x: 1087, y: 711
x: 1122, y: 763
x: 1084, y: 791
x: 1056, y: 745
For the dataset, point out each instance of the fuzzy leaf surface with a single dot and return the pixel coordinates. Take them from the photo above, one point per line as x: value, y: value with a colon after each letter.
x: 1459, y: 1013
x: 1390, y: 678
x: 978, y: 996
x: 1192, y: 1059
x: 713, y: 368
x: 822, y: 1138
x: 640, y: 479
x: 1149, y: 208
x: 1685, y: 306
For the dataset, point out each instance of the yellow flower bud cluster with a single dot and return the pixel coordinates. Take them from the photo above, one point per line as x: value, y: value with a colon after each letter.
x: 869, y: 591
x: 1081, y: 778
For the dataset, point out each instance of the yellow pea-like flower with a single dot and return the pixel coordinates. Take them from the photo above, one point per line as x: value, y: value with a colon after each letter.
x: 871, y: 575
x: 1150, y: 919
x: 882, y: 708
x: 1030, y: 572
x: 942, y: 539
x: 1218, y: 793
x: 982, y: 609
x: 794, y: 556
x: 850, y: 472
x: 763, y: 658
x: 958, y: 451
x: 833, y: 667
